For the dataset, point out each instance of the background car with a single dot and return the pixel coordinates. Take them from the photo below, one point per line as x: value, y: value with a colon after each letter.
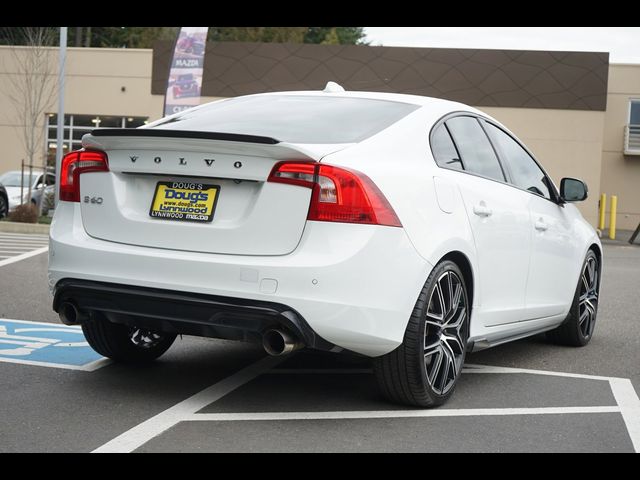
x: 190, y: 44
x: 43, y: 198
x: 185, y: 86
x: 407, y: 229
x: 4, y: 202
x: 38, y: 179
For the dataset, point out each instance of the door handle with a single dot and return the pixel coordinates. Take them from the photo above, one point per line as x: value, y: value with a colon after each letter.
x: 541, y: 225
x: 482, y: 210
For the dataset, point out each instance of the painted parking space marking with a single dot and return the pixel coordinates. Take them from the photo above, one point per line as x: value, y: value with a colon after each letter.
x: 151, y: 428
x: 628, y: 405
x: 47, y: 345
x: 16, y: 247
x: 23, y: 256
x: 358, y: 414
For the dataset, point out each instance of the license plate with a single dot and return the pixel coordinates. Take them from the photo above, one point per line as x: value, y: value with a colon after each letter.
x: 184, y: 201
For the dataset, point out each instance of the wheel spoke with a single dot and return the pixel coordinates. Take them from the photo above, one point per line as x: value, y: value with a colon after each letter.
x: 443, y: 308
x: 451, y: 357
x: 434, y: 367
x: 459, y: 320
x: 444, y: 366
x: 448, y: 339
x: 431, y: 349
x: 455, y: 302
x: 583, y: 316
x: 591, y: 266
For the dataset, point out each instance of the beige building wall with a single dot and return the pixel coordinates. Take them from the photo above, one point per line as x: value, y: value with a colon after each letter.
x: 95, y: 78
x: 99, y: 81
x: 567, y: 143
x: 621, y: 173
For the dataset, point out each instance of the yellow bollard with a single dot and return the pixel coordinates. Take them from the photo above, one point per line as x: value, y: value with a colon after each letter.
x: 603, y: 207
x: 612, y: 222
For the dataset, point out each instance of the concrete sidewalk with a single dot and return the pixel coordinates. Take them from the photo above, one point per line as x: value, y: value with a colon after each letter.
x: 622, y: 238
x: 16, y: 227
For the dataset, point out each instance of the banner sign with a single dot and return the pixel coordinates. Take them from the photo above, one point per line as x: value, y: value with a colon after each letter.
x: 185, y: 76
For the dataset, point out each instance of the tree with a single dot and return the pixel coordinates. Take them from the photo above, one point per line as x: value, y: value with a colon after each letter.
x: 325, y: 35
x: 257, y: 34
x: 143, y: 37
x: 336, y: 35
x: 33, y: 85
x: 119, y: 37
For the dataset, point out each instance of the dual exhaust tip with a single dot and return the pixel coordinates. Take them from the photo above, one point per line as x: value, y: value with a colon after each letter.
x: 279, y: 342
x: 70, y: 314
x: 275, y: 342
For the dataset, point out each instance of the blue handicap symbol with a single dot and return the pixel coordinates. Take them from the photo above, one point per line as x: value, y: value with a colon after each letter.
x: 44, y: 343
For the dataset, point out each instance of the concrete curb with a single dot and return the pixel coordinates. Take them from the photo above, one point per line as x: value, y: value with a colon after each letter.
x: 15, y: 227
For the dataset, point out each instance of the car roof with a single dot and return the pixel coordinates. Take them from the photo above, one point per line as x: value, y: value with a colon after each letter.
x: 392, y: 97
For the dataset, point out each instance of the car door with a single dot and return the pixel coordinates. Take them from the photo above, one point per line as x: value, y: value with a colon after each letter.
x: 499, y: 219
x: 550, y: 287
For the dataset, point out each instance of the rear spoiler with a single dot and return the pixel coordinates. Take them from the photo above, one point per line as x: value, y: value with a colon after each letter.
x: 155, y: 132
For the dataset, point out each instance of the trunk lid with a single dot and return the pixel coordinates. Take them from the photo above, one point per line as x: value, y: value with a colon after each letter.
x: 251, y: 216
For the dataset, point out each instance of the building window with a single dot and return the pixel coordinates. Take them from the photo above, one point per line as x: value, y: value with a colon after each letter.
x: 634, y: 113
x: 75, y: 126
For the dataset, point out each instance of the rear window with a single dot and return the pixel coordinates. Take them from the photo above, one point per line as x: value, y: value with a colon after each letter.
x: 294, y: 118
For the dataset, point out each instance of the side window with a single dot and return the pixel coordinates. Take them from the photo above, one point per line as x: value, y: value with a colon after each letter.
x: 525, y: 172
x: 444, y: 151
x: 474, y: 147
x: 51, y: 179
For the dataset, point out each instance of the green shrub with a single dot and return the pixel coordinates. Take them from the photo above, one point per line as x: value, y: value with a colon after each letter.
x: 27, y: 213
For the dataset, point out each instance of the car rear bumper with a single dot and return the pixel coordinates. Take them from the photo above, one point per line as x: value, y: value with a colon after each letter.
x: 182, y: 312
x: 355, y: 286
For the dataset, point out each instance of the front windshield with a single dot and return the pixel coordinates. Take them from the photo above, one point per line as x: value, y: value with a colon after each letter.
x: 12, y: 179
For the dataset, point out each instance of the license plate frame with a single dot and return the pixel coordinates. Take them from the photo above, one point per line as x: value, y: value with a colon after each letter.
x: 183, y: 199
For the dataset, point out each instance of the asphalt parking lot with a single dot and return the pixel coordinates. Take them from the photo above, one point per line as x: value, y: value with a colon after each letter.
x: 210, y: 395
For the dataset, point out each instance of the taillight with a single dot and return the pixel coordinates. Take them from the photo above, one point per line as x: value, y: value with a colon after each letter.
x: 339, y: 195
x: 76, y: 163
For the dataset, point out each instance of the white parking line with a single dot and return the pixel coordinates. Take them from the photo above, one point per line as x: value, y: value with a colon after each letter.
x: 141, y: 434
x: 314, y: 371
x: 2, y: 251
x: 24, y: 256
x: 628, y: 405
x: 23, y: 236
x: 357, y: 414
x: 90, y: 367
x: 472, y: 368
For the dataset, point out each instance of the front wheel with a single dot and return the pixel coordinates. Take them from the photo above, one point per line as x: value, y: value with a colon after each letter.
x: 123, y: 343
x: 4, y: 207
x: 424, y: 370
x: 577, y: 330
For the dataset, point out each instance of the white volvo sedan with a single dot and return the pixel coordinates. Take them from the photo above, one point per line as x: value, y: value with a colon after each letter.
x: 403, y: 228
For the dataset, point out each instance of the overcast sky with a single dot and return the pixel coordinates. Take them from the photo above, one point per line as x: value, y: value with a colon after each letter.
x: 623, y: 43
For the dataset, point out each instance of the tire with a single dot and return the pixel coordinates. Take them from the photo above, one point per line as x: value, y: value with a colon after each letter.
x: 4, y: 207
x: 577, y: 329
x: 425, y: 368
x: 123, y: 343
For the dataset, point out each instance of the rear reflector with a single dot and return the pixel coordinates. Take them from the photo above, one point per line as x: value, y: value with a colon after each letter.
x: 339, y: 195
x: 73, y: 165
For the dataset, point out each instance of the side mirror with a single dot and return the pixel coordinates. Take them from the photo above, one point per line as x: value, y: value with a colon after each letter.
x: 573, y: 190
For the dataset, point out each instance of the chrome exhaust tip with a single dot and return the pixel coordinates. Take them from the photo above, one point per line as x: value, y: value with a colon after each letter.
x: 278, y: 342
x: 70, y: 315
